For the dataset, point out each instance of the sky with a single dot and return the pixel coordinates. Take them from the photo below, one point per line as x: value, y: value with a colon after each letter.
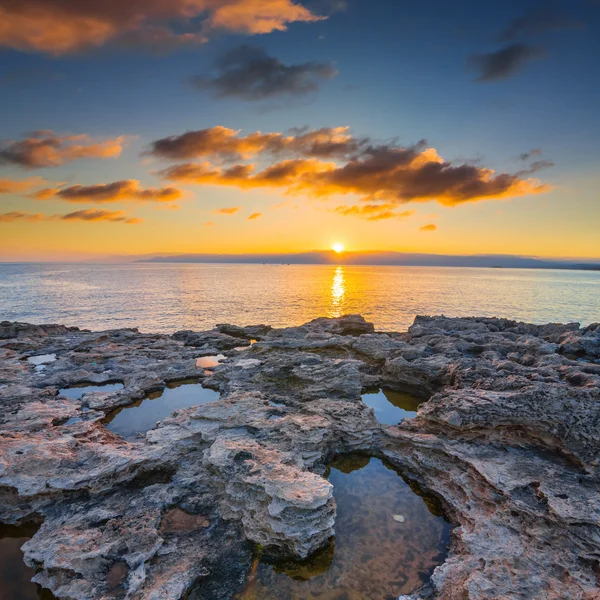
x: 241, y: 126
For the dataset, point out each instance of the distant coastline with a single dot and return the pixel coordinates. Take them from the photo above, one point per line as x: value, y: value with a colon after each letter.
x: 377, y: 259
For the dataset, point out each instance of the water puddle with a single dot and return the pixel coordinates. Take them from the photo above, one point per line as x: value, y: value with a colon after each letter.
x: 241, y: 348
x: 141, y: 416
x: 388, y: 539
x: 75, y: 392
x: 41, y: 362
x: 390, y: 406
x: 15, y: 575
x: 42, y: 359
x: 209, y: 362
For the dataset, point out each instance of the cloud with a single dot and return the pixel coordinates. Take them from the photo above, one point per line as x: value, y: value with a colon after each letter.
x: 527, y: 155
x: 537, y: 22
x: 92, y: 214
x: 249, y: 73
x: 504, y: 62
x: 430, y: 227
x: 209, y: 224
x: 373, y: 212
x: 227, y: 211
x: 535, y: 166
x: 66, y: 26
x: 226, y: 144
x: 376, y: 173
x: 10, y: 217
x: 47, y: 149
x: 254, y: 216
x: 126, y: 190
x: 19, y: 186
x: 89, y: 215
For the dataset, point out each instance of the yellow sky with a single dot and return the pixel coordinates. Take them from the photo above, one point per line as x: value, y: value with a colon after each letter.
x: 525, y: 226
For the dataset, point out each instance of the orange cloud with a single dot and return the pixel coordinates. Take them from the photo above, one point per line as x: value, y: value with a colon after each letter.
x: 19, y: 186
x: 126, y: 190
x: 254, y: 216
x: 393, y: 176
x: 117, y: 216
x: 209, y: 224
x: 21, y: 216
x: 378, y: 173
x: 92, y: 214
x: 226, y: 144
x: 46, y: 149
x: 291, y: 175
x: 64, y: 26
x: 227, y: 211
x: 430, y: 227
x: 373, y: 212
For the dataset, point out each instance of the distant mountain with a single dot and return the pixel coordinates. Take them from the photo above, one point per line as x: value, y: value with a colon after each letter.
x: 378, y: 259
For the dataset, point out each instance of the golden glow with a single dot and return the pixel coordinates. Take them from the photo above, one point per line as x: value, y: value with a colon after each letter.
x: 338, y: 247
x: 338, y: 291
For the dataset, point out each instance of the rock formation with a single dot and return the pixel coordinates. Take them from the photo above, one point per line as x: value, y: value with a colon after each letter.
x: 508, y: 441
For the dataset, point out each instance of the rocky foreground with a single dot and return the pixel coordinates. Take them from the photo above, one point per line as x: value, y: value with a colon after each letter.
x: 508, y: 441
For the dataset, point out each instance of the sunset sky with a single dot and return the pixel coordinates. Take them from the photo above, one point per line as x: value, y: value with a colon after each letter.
x: 239, y: 126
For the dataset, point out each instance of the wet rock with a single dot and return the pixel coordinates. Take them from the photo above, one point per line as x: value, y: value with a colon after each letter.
x: 507, y: 443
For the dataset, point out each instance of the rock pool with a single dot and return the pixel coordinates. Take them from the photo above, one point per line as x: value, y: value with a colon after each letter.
x: 388, y: 539
x: 143, y: 415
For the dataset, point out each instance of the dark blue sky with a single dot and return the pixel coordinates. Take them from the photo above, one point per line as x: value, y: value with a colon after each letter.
x: 405, y: 71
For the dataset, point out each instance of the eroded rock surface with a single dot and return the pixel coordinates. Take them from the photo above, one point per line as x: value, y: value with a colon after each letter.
x: 508, y: 441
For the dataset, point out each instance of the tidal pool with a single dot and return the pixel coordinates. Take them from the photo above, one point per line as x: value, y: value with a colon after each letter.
x: 77, y: 391
x: 15, y: 575
x: 388, y: 539
x: 390, y: 406
x: 209, y: 362
x: 40, y: 362
x: 42, y: 359
x: 141, y: 416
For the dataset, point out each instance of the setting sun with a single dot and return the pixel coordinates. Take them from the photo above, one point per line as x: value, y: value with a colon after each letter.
x: 337, y: 247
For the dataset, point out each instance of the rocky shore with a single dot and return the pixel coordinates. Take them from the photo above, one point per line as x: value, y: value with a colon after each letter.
x: 507, y: 441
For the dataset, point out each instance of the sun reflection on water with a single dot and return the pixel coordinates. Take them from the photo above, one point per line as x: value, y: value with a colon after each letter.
x: 338, y: 291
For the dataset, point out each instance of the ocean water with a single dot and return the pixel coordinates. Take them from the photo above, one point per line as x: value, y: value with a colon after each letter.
x: 169, y: 297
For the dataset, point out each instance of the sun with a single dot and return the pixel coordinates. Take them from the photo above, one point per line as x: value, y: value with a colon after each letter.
x: 337, y: 247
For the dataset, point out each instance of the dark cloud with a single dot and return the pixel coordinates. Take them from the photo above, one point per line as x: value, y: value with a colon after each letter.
x: 527, y: 155
x: 377, y: 173
x: 226, y: 144
x: 504, y: 62
x: 92, y: 214
x: 536, y: 166
x: 537, y: 22
x: 249, y: 73
x: 65, y: 26
x: 126, y: 190
x: 47, y: 149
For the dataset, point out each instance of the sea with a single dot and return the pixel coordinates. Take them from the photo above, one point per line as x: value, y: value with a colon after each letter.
x: 161, y: 297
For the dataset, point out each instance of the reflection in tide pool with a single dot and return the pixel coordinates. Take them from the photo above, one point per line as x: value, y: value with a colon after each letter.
x: 141, y: 416
x: 390, y: 406
x: 209, y: 362
x: 15, y: 575
x: 387, y: 542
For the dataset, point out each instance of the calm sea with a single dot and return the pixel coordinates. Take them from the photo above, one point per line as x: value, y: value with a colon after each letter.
x: 168, y: 297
